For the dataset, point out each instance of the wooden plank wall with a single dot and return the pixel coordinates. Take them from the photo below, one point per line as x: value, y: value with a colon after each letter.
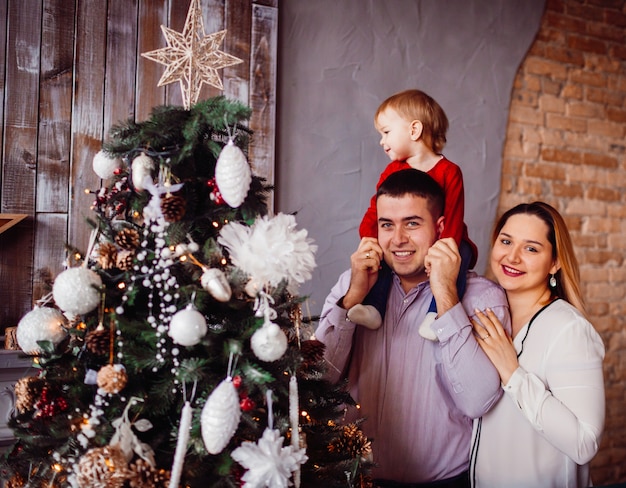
x: 72, y: 69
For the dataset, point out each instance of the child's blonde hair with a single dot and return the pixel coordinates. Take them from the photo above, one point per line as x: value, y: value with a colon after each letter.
x: 417, y: 105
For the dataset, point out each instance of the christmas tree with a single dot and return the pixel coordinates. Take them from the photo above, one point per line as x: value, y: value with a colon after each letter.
x: 173, y: 351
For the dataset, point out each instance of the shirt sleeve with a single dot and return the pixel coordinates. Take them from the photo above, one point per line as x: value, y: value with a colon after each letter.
x: 336, y: 331
x: 472, y: 380
x: 569, y: 411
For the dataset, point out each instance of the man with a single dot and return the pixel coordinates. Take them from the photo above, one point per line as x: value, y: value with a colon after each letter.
x: 418, y: 396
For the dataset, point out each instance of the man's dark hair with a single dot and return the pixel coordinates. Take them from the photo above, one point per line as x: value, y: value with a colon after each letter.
x: 414, y: 182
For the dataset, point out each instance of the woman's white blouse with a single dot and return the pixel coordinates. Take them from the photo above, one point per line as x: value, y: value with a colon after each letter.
x: 547, y: 427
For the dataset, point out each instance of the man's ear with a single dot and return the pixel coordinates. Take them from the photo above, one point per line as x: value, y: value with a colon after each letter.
x: 416, y: 130
x: 440, y: 225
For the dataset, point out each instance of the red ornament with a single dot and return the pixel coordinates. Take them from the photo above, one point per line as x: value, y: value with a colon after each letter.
x: 237, y: 381
x: 247, y: 404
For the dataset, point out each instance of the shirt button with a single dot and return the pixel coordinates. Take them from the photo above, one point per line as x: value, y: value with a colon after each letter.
x: 439, y: 331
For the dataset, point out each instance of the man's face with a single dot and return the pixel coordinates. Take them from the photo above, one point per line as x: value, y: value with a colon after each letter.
x: 406, y: 230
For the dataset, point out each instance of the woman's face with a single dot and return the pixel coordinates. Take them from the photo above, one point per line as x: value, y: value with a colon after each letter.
x: 521, y: 258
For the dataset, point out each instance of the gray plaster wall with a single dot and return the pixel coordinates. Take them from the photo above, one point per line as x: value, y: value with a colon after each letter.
x: 338, y: 59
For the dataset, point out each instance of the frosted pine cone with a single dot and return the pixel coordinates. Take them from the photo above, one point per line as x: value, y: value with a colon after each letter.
x: 125, y: 260
x: 143, y: 475
x: 102, y: 467
x: 27, y: 391
x: 107, y: 255
x: 173, y: 208
x: 112, y: 378
x: 98, y: 342
x: 127, y: 239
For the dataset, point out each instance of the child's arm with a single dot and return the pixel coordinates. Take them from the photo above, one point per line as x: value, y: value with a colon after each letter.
x: 454, y: 210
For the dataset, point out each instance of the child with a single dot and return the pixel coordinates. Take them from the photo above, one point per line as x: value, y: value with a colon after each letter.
x: 413, y: 130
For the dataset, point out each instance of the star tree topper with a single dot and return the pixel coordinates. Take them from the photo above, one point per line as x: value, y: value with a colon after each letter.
x: 192, y: 58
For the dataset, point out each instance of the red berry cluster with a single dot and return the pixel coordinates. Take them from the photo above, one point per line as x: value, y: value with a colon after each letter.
x: 47, y: 406
x: 215, y: 195
x: 245, y: 402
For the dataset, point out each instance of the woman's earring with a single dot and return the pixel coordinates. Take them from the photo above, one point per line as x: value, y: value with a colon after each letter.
x: 553, y: 281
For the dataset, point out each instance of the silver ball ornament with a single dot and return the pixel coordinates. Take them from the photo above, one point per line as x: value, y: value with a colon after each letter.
x: 187, y: 327
x: 269, y: 343
x: 40, y: 324
x: 77, y: 290
x: 104, y: 165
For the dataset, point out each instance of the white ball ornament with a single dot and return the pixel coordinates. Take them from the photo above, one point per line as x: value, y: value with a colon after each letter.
x: 214, y: 281
x: 141, y: 167
x: 220, y: 416
x: 187, y: 327
x: 269, y: 343
x: 40, y: 324
x: 104, y: 165
x: 233, y: 175
x: 77, y: 290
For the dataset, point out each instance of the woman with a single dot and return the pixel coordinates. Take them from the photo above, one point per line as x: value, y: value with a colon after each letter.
x: 546, y: 428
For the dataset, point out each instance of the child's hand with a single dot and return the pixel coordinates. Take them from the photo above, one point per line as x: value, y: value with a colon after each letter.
x: 364, y: 264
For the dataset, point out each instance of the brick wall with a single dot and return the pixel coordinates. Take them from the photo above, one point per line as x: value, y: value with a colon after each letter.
x: 566, y: 145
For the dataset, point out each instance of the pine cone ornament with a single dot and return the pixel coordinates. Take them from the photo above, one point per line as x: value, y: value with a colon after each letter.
x: 16, y: 481
x: 141, y: 474
x: 102, y: 467
x: 127, y: 239
x: 112, y: 378
x: 98, y: 342
x: 27, y: 391
x: 107, y: 255
x: 233, y: 175
x: 352, y: 442
x: 125, y: 260
x: 312, y: 352
x: 173, y: 208
x: 220, y: 416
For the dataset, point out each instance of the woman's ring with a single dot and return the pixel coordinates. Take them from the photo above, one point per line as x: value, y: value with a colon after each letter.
x: 486, y: 337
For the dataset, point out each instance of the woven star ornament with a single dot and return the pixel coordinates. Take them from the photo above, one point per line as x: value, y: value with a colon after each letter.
x: 192, y: 57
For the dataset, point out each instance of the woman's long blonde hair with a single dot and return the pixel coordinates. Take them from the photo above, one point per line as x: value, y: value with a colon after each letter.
x: 568, y: 276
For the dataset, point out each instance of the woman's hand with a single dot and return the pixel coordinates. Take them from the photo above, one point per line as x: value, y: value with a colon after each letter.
x: 496, y: 343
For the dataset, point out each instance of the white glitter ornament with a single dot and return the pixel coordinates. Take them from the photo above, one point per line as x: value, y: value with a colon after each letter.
x: 104, y: 165
x: 187, y: 327
x: 269, y: 343
x: 268, y: 462
x: 220, y: 416
x: 40, y: 324
x: 232, y: 174
x: 214, y: 281
x: 77, y: 290
x: 141, y: 167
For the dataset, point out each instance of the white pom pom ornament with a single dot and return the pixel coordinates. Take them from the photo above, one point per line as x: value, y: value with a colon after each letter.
x: 77, y: 290
x: 269, y: 343
x: 214, y: 281
x: 40, y: 324
x: 232, y: 174
x: 141, y: 167
x: 187, y: 327
x: 104, y: 165
x: 220, y: 416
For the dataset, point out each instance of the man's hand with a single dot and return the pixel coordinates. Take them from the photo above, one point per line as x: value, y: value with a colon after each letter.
x: 364, y: 264
x: 442, y: 263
